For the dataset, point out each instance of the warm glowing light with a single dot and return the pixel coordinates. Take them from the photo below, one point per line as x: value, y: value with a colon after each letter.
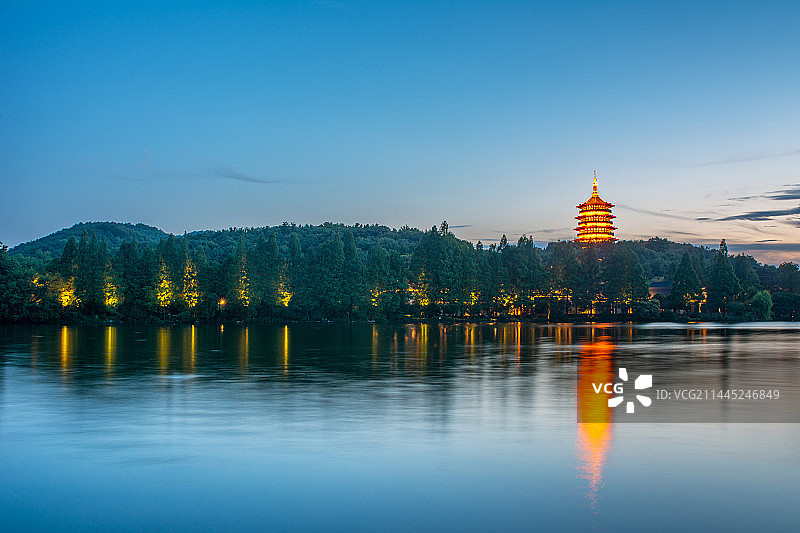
x: 594, y: 219
x: 66, y: 293
x: 374, y: 344
x: 110, y: 294
x: 244, y: 349
x: 111, y: 348
x: 162, y: 347
x: 243, y: 288
x: 419, y: 292
x: 284, y: 295
x: 222, y: 302
x: 189, y: 348
x: 165, y: 290
x: 286, y: 350
x: 376, y: 294
x: 594, y: 436
x: 36, y: 282
x: 191, y: 294
x: 67, y: 337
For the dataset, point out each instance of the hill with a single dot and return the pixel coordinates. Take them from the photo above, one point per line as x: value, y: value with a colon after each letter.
x: 115, y: 233
x: 219, y: 244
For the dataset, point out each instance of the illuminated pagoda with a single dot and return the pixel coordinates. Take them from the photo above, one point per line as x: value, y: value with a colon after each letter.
x: 594, y: 219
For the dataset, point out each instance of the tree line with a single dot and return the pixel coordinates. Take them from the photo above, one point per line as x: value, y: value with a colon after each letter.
x: 336, y: 272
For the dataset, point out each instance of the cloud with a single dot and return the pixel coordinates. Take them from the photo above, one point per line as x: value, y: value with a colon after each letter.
x: 763, y: 215
x: 461, y: 226
x: 653, y: 213
x: 768, y: 240
x: 789, y: 192
x: 229, y: 173
x: 549, y: 231
x: 767, y: 246
x: 752, y: 156
x: 685, y: 233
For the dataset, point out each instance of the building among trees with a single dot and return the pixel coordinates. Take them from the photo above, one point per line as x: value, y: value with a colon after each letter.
x: 594, y: 219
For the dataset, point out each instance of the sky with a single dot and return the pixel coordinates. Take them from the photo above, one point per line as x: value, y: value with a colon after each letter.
x: 490, y: 115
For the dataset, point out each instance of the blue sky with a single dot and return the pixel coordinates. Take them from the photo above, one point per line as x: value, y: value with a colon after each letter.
x: 489, y: 115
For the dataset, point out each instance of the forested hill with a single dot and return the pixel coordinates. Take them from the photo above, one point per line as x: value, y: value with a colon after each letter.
x: 333, y: 271
x: 114, y: 233
x: 219, y: 244
x: 658, y: 256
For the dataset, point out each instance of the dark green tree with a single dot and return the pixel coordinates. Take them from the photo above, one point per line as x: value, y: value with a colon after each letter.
x: 724, y: 285
x: 624, y: 281
x: 686, y: 291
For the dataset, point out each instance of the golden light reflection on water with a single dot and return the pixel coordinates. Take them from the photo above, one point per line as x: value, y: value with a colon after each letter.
x: 594, y: 438
x: 189, y: 348
x: 67, y: 348
x: 244, y: 349
x: 422, y: 345
x: 374, y: 345
x: 162, y: 347
x: 285, y: 350
x: 111, y: 349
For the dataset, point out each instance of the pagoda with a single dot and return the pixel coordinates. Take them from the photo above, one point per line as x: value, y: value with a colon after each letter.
x: 594, y: 219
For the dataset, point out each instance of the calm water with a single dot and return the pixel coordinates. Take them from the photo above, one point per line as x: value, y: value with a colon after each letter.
x: 384, y: 428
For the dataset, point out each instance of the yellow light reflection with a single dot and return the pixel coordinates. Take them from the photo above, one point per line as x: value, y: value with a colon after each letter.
x: 594, y: 438
x: 189, y: 348
x: 67, y: 347
x: 244, y: 350
x: 374, y: 345
x: 162, y: 347
x: 422, y: 345
x: 286, y: 350
x: 111, y: 348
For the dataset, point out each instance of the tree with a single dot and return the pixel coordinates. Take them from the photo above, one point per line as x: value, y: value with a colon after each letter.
x: 563, y: 276
x: 89, y: 276
x: 588, y: 289
x: 354, y: 284
x: 760, y: 305
x: 164, y: 288
x: 624, y: 281
x: 241, y: 282
x: 744, y: 268
x: 788, y: 277
x: 686, y: 290
x: 724, y: 285
x: 191, y: 292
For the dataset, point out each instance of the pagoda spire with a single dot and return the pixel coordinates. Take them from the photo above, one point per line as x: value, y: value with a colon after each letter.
x: 594, y: 186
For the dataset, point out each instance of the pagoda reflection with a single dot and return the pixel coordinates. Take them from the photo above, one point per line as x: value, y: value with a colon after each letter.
x: 595, y: 418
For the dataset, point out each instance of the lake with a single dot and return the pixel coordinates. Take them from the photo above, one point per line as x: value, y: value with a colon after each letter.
x: 418, y: 427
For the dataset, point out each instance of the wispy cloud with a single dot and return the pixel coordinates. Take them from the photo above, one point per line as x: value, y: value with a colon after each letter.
x: 767, y: 246
x: 789, y: 192
x: 743, y: 158
x: 682, y: 233
x: 763, y: 215
x: 549, y: 231
x: 461, y: 226
x: 654, y: 213
x: 231, y: 174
